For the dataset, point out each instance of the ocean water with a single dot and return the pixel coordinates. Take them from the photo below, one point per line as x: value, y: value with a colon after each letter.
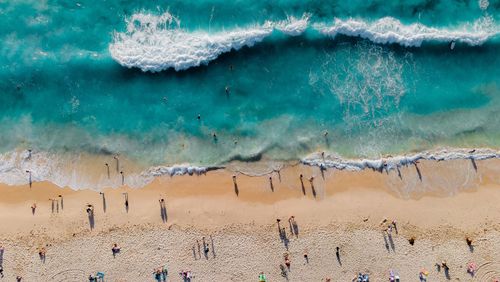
x: 87, y: 80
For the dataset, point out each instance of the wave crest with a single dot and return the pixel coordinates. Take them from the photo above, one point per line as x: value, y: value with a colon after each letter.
x: 157, y: 42
x: 153, y: 43
x: 390, y: 30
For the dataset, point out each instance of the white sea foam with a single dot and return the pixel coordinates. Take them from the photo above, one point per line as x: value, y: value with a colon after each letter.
x: 157, y: 42
x: 69, y: 171
x: 483, y: 4
x: 389, y: 30
x: 395, y: 162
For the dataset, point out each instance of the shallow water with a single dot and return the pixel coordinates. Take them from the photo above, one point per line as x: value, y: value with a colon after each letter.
x: 299, y: 70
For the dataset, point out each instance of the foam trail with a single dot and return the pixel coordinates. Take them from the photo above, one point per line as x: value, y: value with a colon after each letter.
x: 156, y: 42
x: 393, y: 163
x: 389, y: 30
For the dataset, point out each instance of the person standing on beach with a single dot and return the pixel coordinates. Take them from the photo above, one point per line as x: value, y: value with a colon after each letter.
x: 115, y: 249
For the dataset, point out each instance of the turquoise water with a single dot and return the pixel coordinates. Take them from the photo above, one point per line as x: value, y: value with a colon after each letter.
x: 64, y: 90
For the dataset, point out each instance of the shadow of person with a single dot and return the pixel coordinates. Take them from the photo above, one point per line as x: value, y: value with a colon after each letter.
x: 271, y: 184
x: 213, y: 248
x: 337, y: 254
x: 194, y: 254
x: 447, y: 273
x: 474, y: 165
x: 391, y: 242
x: 295, y: 228
x: 399, y: 173
x: 163, y: 213
x: 103, y: 202
x: 236, y: 190
x: 386, y: 243
x: 418, y: 172
x: 471, y: 248
x: 302, y: 185
x: 91, y: 220
x: 313, y: 190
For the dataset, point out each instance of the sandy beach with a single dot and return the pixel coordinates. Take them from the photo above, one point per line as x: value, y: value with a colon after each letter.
x: 239, y: 223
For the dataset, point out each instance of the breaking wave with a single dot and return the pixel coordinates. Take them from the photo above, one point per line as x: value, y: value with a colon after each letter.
x: 325, y: 161
x: 157, y: 42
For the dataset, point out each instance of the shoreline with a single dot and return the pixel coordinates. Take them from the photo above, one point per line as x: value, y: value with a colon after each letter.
x: 81, y: 172
x: 346, y: 212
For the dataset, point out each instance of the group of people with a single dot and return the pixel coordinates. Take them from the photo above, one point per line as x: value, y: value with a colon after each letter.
x: 186, y: 275
x: 160, y: 273
x: 99, y: 277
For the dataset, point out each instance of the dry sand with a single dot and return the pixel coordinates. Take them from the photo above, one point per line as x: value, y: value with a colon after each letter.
x: 452, y: 202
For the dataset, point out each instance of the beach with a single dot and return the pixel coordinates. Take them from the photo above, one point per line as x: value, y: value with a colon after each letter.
x: 345, y: 210
x: 231, y: 140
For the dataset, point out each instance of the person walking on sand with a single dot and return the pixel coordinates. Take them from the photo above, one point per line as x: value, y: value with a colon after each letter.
x: 42, y: 254
x: 115, y: 249
x: 287, y: 261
